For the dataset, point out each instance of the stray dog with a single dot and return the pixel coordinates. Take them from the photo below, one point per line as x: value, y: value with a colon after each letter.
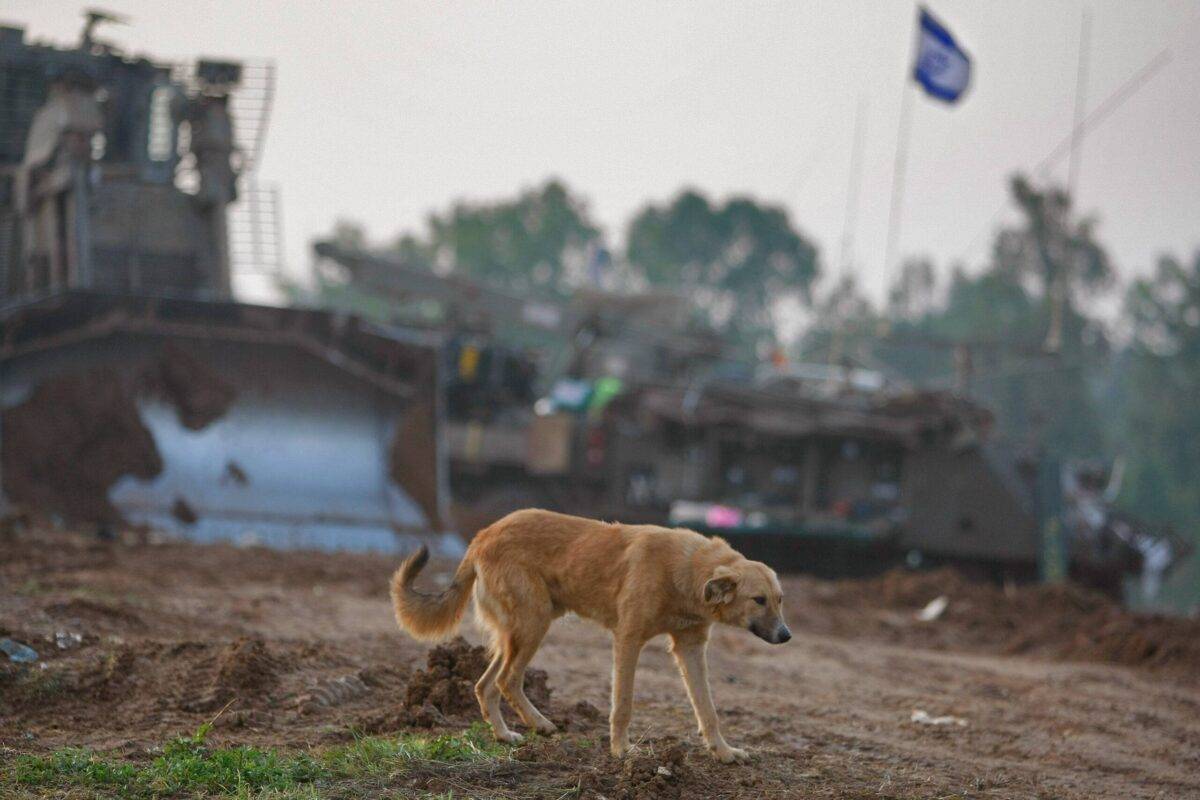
x: 639, y: 581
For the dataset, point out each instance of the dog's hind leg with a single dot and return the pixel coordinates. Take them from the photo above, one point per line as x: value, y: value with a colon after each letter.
x: 520, y: 647
x: 486, y: 690
x: 488, y: 695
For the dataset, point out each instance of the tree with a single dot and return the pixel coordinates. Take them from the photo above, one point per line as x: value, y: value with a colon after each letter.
x: 736, y: 260
x: 844, y: 327
x: 1158, y: 379
x: 1161, y: 381
x: 989, y: 334
x: 1058, y: 252
x: 538, y: 241
x: 913, y: 294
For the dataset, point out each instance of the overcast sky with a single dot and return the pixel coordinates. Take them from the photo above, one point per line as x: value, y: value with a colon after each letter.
x: 388, y: 110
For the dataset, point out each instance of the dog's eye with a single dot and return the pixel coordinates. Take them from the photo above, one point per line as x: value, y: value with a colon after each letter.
x: 762, y: 601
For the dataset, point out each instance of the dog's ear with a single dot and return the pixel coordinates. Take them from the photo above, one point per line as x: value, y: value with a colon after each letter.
x: 722, y: 586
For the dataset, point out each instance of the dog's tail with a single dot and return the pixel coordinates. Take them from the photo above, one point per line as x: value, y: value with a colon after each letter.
x: 430, y: 616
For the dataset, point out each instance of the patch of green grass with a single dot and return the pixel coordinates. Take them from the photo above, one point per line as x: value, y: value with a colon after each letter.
x: 188, y: 767
x: 375, y: 755
x: 72, y: 767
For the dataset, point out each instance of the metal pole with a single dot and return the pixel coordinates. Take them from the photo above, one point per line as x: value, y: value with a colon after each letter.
x: 1062, y: 281
x: 849, y: 229
x: 901, y: 164
x: 1081, y: 78
x: 1090, y: 123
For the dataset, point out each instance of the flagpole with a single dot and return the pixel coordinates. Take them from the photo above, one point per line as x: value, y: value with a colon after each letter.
x: 1058, y: 291
x: 1081, y: 81
x: 900, y: 166
x: 853, y: 186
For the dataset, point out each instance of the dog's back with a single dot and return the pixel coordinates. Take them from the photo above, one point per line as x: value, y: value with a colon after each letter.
x: 577, y: 560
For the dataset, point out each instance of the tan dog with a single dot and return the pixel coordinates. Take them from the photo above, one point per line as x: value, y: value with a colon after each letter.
x: 638, y: 581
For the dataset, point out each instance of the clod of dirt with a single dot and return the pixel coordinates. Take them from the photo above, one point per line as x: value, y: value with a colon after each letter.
x: 448, y: 680
x: 656, y: 774
x: 236, y: 473
x: 245, y: 669
x: 200, y: 395
x: 182, y: 510
x: 71, y: 440
x: 583, y: 716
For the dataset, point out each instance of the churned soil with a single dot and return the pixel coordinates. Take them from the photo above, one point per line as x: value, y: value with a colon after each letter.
x: 1062, y: 694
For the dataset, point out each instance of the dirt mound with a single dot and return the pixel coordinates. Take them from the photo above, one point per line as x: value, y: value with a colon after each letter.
x: 71, y: 440
x: 653, y: 776
x: 200, y: 395
x: 448, y: 680
x: 658, y: 771
x: 1058, y: 620
x: 447, y: 683
x: 245, y: 669
x: 1137, y: 640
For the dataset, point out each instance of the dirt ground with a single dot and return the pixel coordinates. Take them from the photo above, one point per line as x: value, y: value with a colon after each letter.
x: 1062, y: 695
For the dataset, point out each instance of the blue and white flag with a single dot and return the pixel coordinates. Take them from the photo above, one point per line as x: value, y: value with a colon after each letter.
x: 943, y: 68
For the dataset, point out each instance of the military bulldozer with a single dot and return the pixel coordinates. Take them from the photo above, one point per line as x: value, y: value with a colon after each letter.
x: 135, y: 388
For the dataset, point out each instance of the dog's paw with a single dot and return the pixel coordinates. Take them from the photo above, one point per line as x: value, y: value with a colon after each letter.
x: 546, y: 727
x: 730, y: 755
x: 620, y: 749
x: 508, y: 737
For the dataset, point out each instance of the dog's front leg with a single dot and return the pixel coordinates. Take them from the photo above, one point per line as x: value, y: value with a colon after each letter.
x: 689, y: 649
x: 626, y: 649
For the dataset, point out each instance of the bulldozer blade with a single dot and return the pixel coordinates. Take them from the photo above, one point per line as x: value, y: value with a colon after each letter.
x: 270, y: 444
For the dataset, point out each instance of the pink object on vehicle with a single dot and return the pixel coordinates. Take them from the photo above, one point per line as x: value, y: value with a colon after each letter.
x: 723, y: 517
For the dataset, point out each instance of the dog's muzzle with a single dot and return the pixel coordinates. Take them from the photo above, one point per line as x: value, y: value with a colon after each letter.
x: 777, y: 634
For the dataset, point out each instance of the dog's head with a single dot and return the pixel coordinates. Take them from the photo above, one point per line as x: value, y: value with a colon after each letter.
x: 747, y: 595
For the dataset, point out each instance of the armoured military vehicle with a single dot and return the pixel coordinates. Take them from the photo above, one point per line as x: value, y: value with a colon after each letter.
x: 817, y: 468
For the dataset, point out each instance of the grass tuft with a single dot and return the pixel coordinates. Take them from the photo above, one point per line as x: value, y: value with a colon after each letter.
x: 187, y: 766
